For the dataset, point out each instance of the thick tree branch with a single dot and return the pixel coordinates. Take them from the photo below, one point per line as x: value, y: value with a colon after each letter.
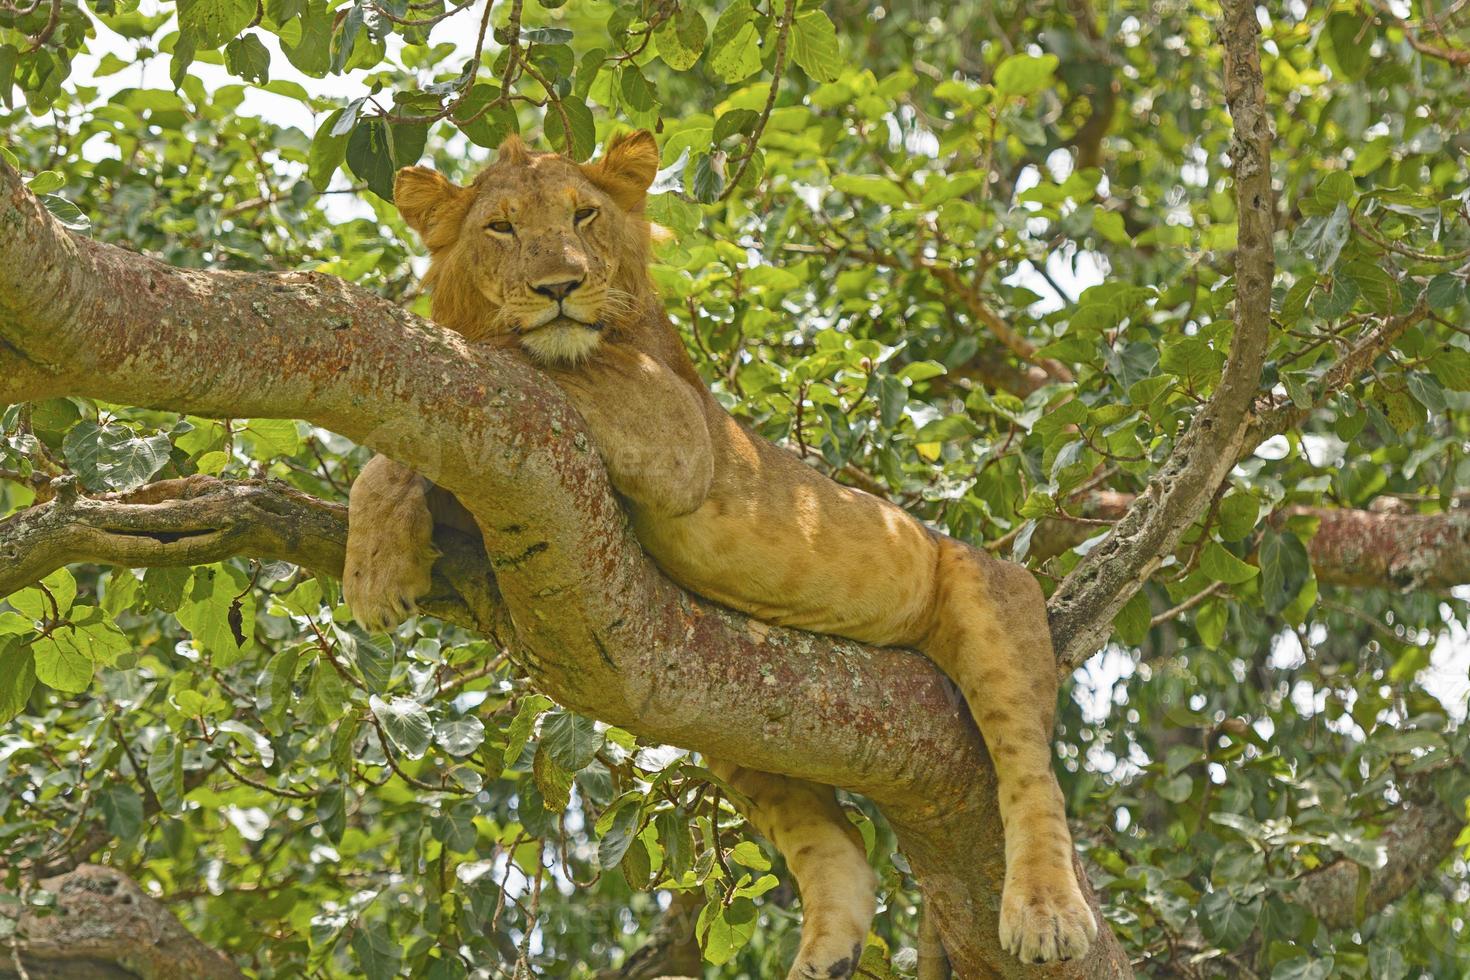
x: 1084, y: 605
x: 1361, y: 549
x: 1417, y: 842
x: 102, y: 926
x: 588, y: 615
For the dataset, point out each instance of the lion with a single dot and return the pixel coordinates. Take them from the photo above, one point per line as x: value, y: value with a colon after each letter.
x: 551, y: 255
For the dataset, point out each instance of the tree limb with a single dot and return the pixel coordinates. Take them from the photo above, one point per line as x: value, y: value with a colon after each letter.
x: 589, y: 617
x: 1360, y: 549
x: 105, y: 926
x: 1084, y: 605
x: 1414, y: 844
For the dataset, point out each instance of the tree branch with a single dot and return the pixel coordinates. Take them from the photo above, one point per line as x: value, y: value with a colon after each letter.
x: 1084, y: 605
x: 105, y: 926
x: 1414, y: 844
x: 1359, y: 549
x: 588, y: 616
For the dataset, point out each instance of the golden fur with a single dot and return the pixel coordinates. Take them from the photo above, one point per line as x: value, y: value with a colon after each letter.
x: 731, y: 517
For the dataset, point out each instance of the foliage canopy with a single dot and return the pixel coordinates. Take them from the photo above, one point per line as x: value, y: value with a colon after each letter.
x: 976, y: 258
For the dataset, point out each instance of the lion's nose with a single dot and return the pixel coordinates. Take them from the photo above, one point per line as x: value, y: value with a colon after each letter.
x: 558, y: 289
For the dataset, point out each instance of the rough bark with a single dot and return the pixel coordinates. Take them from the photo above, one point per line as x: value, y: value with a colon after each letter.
x: 1084, y: 605
x: 1360, y: 549
x: 589, y: 617
x: 102, y: 926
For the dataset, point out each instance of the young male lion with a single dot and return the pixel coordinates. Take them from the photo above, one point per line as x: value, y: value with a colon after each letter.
x: 553, y: 255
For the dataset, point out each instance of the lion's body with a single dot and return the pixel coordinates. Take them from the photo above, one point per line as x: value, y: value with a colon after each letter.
x: 740, y: 521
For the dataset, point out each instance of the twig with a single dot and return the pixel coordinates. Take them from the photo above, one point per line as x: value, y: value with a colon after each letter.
x: 45, y: 34
x: 783, y: 31
x: 1186, y: 605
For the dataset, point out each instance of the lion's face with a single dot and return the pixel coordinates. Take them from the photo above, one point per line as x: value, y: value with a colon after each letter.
x: 538, y: 247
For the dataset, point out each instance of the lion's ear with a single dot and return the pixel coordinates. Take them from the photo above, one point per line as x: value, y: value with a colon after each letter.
x: 430, y: 203
x: 627, y: 169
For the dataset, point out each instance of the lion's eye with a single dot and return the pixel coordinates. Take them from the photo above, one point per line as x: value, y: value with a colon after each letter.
x: 501, y: 227
x: 585, y: 215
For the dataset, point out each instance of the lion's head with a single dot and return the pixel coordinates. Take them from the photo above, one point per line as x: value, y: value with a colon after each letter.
x: 538, y: 246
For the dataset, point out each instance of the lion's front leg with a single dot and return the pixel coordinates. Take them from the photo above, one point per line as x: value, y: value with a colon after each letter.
x: 390, y: 544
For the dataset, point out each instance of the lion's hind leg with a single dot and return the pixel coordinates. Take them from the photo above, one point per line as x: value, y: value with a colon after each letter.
x: 825, y: 854
x: 990, y: 635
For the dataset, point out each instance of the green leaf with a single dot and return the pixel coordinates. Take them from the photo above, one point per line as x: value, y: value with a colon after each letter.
x: 1347, y: 44
x: 1386, y: 962
x: 121, y: 592
x: 735, y: 45
x: 619, y: 834
x: 273, y: 437
x: 814, y: 46
x: 1175, y: 789
x: 519, y: 730
x: 1227, y: 921
x: 1304, y: 968
x: 672, y: 827
x: 376, y: 151
x: 553, y: 779
x: 872, y: 187
x: 35, y: 604
x: 1132, y: 622
x: 406, y: 723
x: 457, y: 827
x: 485, y: 126
x: 166, y: 773
x: 327, y: 152
x: 1025, y: 74
x: 1110, y: 225
x: 45, y: 182
x: 1322, y: 236
x: 460, y: 736
x: 637, y: 93
x: 376, y: 951
x: 572, y: 740
x: 122, y: 809
x: 70, y: 216
x: 1374, y: 284
x: 63, y: 664
x: 1193, y: 360
x: 1285, y: 568
x: 331, y: 812
x: 113, y: 458
x: 213, y: 22
x: 1337, y: 187
x: 735, y: 122
x: 1451, y: 368
x: 1222, y: 566
x: 583, y: 138
x: 250, y: 739
x: 218, y: 612
x: 680, y: 39
x: 1210, y: 622
x: 163, y: 588
x: 307, y: 43
x: 1236, y: 516
x: 1445, y: 291
x: 246, y: 57
x: 706, y: 180
x: 17, y: 676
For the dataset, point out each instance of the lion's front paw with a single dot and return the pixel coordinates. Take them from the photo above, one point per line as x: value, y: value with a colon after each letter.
x: 826, y: 958
x: 383, y: 590
x: 1044, y: 920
